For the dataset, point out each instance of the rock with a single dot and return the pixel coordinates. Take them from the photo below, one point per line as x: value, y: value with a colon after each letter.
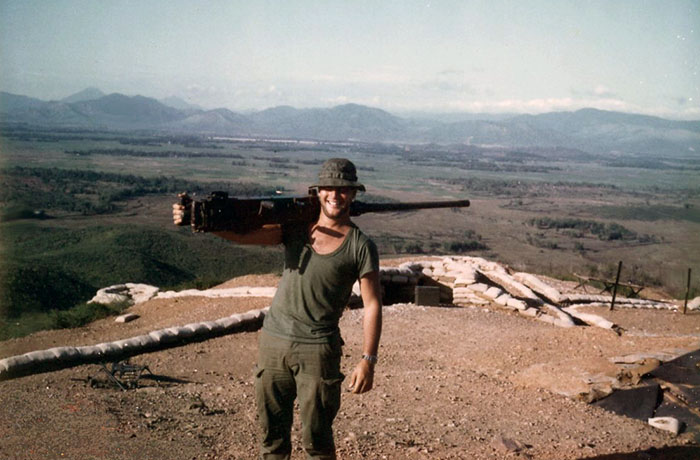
x: 125, y: 318
x: 506, y: 445
x: 633, y: 373
x: 141, y: 292
x: 112, y: 295
x: 130, y: 293
x: 665, y: 423
x: 694, y: 304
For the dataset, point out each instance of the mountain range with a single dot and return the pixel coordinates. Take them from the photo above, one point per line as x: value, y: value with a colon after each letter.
x: 590, y: 130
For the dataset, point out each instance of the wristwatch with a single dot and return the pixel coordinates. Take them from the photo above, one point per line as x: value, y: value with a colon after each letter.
x: 371, y: 358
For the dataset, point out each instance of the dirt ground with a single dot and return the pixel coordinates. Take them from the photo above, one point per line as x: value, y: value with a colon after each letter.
x: 452, y: 383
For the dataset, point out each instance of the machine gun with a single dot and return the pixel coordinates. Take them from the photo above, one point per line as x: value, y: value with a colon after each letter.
x: 219, y: 212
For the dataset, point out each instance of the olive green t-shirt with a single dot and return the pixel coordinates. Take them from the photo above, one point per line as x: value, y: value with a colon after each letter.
x: 315, y: 288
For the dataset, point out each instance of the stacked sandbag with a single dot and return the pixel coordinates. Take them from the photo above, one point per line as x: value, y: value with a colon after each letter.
x: 477, y: 281
x: 540, y: 287
x: 694, y: 304
x: 243, y: 291
x: 593, y: 300
x: 61, y: 357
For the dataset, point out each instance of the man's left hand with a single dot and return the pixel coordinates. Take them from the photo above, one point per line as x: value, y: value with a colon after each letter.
x: 362, y: 377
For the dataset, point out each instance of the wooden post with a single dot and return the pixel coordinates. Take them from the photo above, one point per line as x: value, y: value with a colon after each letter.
x: 687, y: 292
x: 617, y: 280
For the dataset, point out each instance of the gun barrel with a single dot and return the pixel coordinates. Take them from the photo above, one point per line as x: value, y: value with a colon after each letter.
x: 357, y: 208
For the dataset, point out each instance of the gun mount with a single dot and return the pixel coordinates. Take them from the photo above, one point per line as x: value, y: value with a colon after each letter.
x: 219, y: 212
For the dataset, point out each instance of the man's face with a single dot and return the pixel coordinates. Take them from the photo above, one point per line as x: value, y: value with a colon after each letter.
x: 335, y: 201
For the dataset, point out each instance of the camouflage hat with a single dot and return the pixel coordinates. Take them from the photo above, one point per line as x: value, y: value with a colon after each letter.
x: 338, y: 172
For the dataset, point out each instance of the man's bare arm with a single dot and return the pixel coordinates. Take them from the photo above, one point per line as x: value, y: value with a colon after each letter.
x: 362, y: 377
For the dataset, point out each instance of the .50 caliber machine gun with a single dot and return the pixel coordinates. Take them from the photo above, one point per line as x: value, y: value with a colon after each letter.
x: 219, y: 212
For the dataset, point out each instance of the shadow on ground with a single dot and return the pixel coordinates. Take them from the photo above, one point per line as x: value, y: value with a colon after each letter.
x: 665, y: 453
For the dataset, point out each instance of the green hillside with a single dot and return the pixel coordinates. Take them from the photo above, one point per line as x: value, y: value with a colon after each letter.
x: 54, y: 268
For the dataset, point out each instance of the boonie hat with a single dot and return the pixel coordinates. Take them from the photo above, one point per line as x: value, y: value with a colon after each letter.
x: 338, y: 172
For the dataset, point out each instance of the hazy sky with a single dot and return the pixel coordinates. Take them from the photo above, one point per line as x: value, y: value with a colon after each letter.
x: 476, y: 56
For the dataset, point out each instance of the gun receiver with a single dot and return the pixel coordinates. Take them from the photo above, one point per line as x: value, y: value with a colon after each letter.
x: 219, y: 212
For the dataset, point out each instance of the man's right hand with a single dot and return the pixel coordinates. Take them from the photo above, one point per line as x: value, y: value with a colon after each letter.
x: 180, y: 211
x: 178, y: 214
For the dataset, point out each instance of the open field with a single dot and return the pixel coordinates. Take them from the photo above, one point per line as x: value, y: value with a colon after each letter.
x: 113, y: 226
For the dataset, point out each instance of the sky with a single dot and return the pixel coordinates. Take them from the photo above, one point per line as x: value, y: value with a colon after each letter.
x: 446, y: 56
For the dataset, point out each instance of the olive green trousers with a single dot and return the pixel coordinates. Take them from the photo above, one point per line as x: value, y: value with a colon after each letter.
x: 308, y: 372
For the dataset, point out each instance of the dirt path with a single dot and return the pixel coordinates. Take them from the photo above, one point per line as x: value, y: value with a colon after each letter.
x: 452, y: 383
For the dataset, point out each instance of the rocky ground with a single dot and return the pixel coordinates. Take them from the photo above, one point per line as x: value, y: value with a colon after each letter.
x: 452, y: 383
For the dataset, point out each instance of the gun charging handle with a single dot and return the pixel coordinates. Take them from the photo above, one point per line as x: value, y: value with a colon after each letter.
x: 186, y: 203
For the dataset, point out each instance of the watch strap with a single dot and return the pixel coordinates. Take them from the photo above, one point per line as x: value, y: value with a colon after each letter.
x: 371, y: 358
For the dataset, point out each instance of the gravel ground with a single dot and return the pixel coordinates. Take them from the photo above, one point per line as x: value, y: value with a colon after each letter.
x: 452, y: 383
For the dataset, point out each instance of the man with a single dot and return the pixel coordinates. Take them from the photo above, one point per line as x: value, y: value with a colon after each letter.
x: 300, y: 345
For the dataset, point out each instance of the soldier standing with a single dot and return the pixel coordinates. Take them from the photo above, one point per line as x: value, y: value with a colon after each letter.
x: 300, y: 345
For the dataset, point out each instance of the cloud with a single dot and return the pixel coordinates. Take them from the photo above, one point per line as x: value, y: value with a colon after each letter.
x: 449, y: 80
x: 603, y: 91
x: 599, y: 91
x: 337, y: 100
x: 538, y: 105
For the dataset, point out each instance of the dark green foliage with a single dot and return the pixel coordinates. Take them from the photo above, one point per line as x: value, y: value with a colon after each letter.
x: 48, y: 268
x: 76, y: 316
x: 17, y: 212
x: 153, y: 154
x: 650, y: 213
x: 33, y: 288
x: 433, y: 244
x: 603, y: 231
x: 458, y: 247
x: 521, y: 188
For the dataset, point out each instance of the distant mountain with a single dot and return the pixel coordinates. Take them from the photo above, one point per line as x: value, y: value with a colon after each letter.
x: 180, y: 104
x: 592, y: 129
x: 589, y: 130
x: 275, y: 114
x: 120, y: 111
x: 343, y: 122
x: 14, y: 102
x: 88, y: 94
x: 115, y: 111
x: 218, y: 121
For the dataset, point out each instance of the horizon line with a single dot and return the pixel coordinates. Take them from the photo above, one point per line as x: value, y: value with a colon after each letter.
x: 393, y: 111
